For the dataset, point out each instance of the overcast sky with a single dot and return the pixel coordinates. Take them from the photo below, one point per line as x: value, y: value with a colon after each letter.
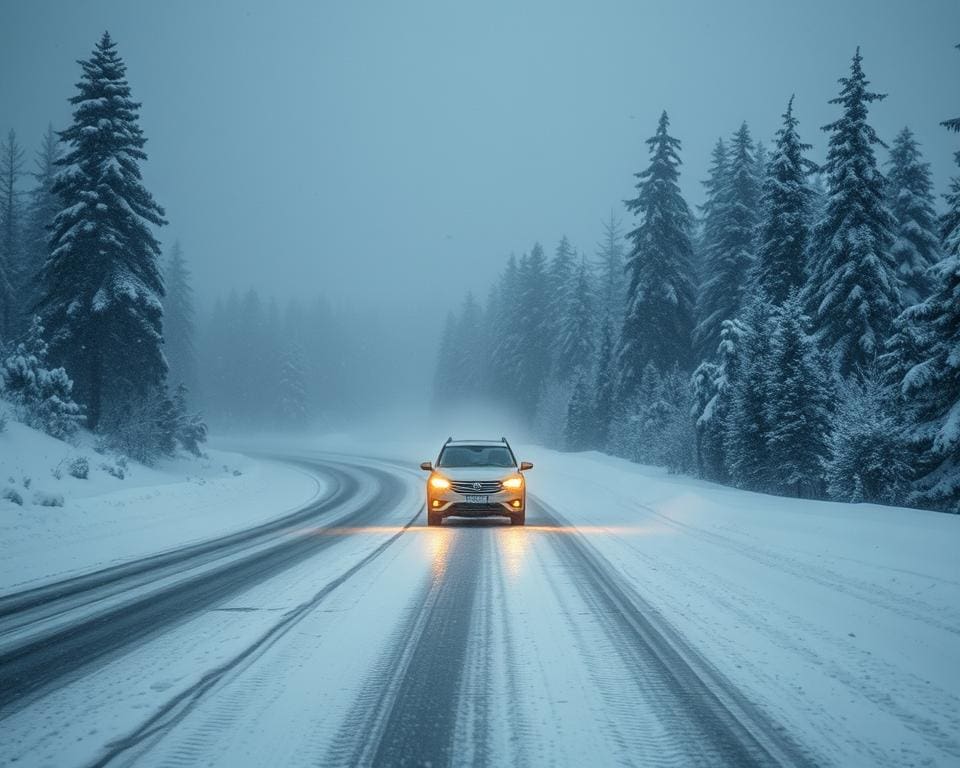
x: 394, y: 153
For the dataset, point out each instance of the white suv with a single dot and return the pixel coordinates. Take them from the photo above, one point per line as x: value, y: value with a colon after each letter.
x: 476, y: 478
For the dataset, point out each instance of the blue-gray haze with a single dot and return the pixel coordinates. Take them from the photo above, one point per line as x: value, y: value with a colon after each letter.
x: 391, y: 154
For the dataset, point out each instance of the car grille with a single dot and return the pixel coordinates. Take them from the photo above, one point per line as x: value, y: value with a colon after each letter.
x: 476, y: 486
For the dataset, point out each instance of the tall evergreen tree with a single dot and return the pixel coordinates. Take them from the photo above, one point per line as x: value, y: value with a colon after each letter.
x: 575, y: 344
x: 560, y: 286
x: 11, y: 169
x: 611, y: 290
x: 798, y: 405
x: 102, y: 283
x: 730, y: 256
x: 660, y: 296
x: 507, y: 331
x: 931, y: 386
x: 178, y: 321
x: 910, y: 195
x: 42, y: 208
x: 853, y: 290
x: 746, y: 427
x: 533, y: 360
x: 711, y: 211
x: 605, y: 386
x: 784, y: 229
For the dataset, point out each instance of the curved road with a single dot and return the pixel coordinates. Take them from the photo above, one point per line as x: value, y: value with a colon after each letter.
x: 349, y: 633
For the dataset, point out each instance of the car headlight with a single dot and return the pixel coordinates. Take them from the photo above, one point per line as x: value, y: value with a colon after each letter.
x: 514, y: 483
x: 439, y: 483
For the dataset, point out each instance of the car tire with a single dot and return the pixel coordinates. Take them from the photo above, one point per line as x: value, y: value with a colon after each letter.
x: 520, y: 518
x: 433, y: 519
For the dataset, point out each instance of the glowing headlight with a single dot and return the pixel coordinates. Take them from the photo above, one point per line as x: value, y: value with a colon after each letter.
x: 440, y: 483
x: 513, y: 483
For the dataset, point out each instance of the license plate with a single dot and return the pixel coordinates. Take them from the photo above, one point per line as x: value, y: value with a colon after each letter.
x: 476, y: 499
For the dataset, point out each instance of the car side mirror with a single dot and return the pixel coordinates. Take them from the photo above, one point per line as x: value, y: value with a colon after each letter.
x: 426, y: 466
x: 525, y: 465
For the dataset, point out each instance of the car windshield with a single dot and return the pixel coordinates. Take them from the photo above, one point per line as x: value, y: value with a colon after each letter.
x: 476, y: 456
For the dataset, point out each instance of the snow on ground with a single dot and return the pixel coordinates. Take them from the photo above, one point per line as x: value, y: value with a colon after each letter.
x: 843, y: 620
x: 105, y: 520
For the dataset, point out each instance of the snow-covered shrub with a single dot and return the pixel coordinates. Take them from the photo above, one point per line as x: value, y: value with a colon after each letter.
x: 151, y: 428
x: 191, y: 430
x: 869, y: 459
x: 145, y: 430
x: 47, y: 499
x: 41, y: 396
x: 114, y: 470
x: 79, y: 468
x: 12, y: 494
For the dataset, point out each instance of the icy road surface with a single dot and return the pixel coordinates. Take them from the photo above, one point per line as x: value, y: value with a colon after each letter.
x: 349, y: 633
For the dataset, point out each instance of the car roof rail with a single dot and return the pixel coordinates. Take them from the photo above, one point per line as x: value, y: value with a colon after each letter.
x: 449, y: 440
x: 504, y: 440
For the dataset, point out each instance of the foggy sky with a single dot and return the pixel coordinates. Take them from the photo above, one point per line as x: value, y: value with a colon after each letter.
x: 393, y: 154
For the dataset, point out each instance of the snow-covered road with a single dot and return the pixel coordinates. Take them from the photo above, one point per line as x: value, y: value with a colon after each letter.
x: 350, y: 633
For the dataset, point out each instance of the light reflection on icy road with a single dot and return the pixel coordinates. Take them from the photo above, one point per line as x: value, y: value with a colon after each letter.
x: 365, y: 637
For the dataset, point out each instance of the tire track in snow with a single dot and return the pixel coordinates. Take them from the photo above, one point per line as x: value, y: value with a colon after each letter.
x: 127, y: 749
x: 716, y: 723
x: 406, y: 713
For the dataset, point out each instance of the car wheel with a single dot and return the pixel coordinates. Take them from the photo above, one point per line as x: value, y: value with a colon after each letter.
x: 520, y: 518
x: 433, y: 519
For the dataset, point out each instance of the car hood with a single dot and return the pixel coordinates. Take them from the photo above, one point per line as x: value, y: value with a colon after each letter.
x: 477, y: 473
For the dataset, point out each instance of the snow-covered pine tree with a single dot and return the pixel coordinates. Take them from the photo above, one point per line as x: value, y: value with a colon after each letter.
x: 42, y: 207
x: 910, y: 195
x: 178, y: 321
x: 507, y: 329
x: 11, y: 215
x: 579, y: 432
x: 711, y: 210
x: 42, y: 396
x: 714, y: 388
x: 746, y: 427
x: 576, y: 341
x: 611, y: 290
x: 868, y: 458
x: 730, y: 256
x: 102, y: 282
x: 930, y: 389
x: 660, y: 296
x: 708, y: 435
x: 798, y: 406
x: 559, y: 286
x: 853, y: 291
x: 534, y: 354
x: 604, y: 388
x: 785, y: 225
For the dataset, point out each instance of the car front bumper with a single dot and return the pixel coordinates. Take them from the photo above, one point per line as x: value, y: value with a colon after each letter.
x: 452, y: 504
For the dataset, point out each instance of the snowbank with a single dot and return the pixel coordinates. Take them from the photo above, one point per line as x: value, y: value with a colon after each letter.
x: 121, y: 511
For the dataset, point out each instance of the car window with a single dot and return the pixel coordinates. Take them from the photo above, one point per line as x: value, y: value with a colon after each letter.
x: 476, y: 456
